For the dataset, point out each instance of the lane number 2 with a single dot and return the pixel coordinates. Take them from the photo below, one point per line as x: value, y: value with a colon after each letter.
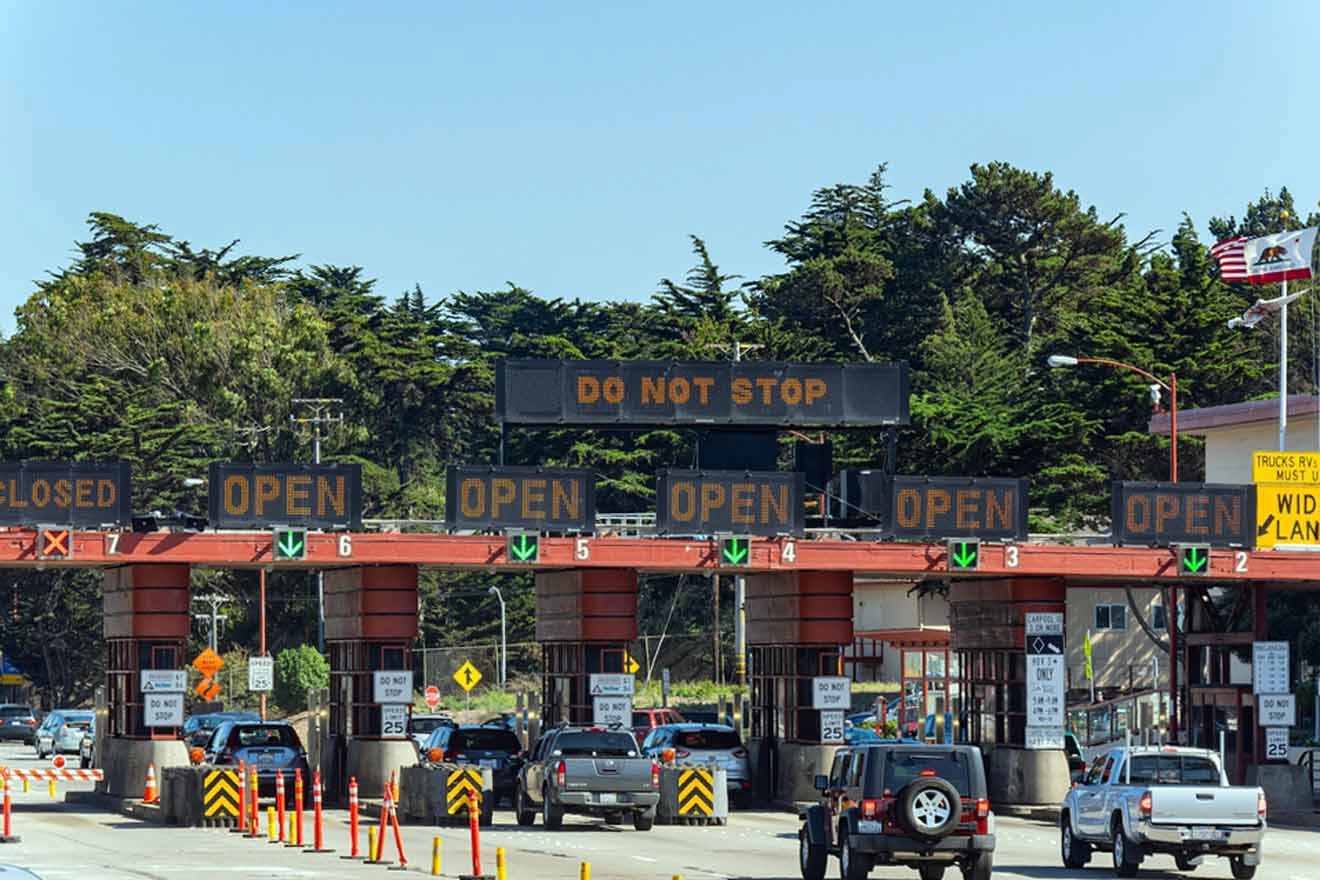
x: 1240, y: 561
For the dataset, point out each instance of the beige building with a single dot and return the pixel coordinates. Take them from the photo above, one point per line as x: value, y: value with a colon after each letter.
x: 889, y: 615
x: 1234, y: 431
x: 1123, y: 657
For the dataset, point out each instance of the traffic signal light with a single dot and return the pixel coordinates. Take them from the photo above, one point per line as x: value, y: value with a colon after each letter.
x: 964, y: 554
x: 290, y: 544
x: 1193, y: 560
x: 54, y: 543
x: 522, y: 547
x: 735, y: 550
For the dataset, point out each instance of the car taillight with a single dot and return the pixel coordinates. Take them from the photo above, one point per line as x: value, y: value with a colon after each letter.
x: 655, y: 775
x: 32, y: 722
x: 682, y: 753
x: 928, y: 772
x: 740, y: 753
x: 983, y: 816
x: 560, y: 772
x: 870, y: 808
x: 1146, y: 805
x: 1260, y: 805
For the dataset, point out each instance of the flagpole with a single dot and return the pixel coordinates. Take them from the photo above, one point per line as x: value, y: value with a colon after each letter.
x: 1283, y: 371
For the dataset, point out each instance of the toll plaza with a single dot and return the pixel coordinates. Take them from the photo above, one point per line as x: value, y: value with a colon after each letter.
x: 732, y: 515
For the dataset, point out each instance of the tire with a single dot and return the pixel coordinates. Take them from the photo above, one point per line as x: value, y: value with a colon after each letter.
x: 552, y: 817
x: 811, y: 857
x: 854, y: 866
x: 1074, y: 852
x: 981, y: 868
x: 931, y: 872
x: 644, y: 819
x: 1122, y: 851
x: 1241, y: 871
x: 487, y: 817
x: 1184, y: 863
x: 525, y: 815
x: 929, y: 807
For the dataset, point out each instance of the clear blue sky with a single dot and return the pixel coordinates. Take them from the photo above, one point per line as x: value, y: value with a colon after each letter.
x: 571, y: 150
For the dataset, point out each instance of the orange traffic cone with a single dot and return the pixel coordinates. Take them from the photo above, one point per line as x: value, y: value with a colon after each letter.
x: 150, y: 796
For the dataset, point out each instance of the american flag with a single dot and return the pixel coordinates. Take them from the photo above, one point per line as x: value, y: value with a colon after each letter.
x: 1231, y: 254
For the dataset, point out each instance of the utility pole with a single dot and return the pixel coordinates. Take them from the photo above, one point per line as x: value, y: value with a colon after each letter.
x: 261, y: 598
x: 735, y: 350
x: 320, y: 411
x: 213, y: 617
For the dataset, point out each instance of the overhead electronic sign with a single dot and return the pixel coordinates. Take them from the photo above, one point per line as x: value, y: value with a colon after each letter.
x: 989, y: 508
x: 315, y: 496
x: 74, y: 493
x: 540, y: 499
x: 749, y: 393
x: 738, y: 502
x: 1163, y: 514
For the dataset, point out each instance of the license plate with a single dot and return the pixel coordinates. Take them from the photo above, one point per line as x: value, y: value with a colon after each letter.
x: 609, y: 797
x: 489, y: 762
x: 867, y: 826
x: 1205, y: 834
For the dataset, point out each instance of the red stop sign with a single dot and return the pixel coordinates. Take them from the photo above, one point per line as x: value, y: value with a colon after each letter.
x: 432, y: 696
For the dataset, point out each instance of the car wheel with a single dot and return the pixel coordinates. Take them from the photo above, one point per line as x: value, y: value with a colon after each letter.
x: 552, y: 817
x: 1124, y: 863
x: 1076, y: 853
x: 644, y: 819
x: 980, y: 868
x: 1184, y: 863
x: 811, y: 857
x: 854, y: 865
x: 526, y: 815
x: 84, y: 762
x: 1240, y: 869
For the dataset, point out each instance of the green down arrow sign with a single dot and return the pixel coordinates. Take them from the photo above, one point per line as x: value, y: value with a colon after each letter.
x: 964, y: 555
x: 735, y: 551
x: 290, y: 544
x: 524, y: 547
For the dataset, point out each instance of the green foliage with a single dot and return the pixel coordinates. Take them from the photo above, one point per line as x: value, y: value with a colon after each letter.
x: 298, y: 670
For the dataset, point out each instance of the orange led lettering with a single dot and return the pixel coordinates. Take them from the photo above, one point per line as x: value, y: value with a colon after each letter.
x: 236, y: 495
x: 744, y: 504
x: 703, y: 385
x: 298, y: 502
x: 712, y: 498
x: 533, y: 499
x: 741, y: 389
x: 612, y: 390
x: 1198, y: 515
x: 62, y: 496
x: 472, y: 497
x: 330, y: 493
x: 565, y: 498
x: 106, y: 493
x: 767, y: 386
x: 1166, y: 510
x: 813, y: 390
x: 679, y: 390
x: 1228, y: 516
x: 40, y: 493
x: 774, y: 504
x: 966, y: 505
x: 791, y: 391
x: 653, y: 389
x: 908, y: 508
x: 588, y: 389
x: 999, y: 510
x: 15, y: 498
x: 1137, y: 514
x: 937, y: 503
x: 268, y: 489
x: 502, y: 492
x: 682, y: 500
x: 83, y: 490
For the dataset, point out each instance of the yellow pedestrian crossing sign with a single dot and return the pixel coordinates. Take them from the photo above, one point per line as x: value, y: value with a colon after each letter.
x: 467, y: 676
x: 630, y: 664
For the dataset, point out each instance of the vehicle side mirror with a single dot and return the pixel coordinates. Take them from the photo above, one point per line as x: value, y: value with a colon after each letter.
x: 822, y: 782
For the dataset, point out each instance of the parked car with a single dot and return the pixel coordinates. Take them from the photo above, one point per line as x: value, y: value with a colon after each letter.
x: 62, y: 732
x: 87, y: 748
x: 646, y: 720
x: 919, y: 806
x: 704, y: 744
x: 17, y: 722
x: 1143, y: 800
x: 197, y: 729
x: 265, y: 745
x: 483, y: 746
x: 1072, y: 747
x: 420, y: 727
x: 588, y: 771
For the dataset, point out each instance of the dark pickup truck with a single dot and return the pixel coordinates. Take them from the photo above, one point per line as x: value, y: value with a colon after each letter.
x: 589, y: 771
x: 921, y: 806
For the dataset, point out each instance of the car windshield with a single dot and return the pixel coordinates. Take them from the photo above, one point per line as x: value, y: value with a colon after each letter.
x: 490, y: 739
x: 904, y: 766
x: 426, y: 725
x: 595, y: 744
x: 707, y: 739
x: 15, y: 712
x: 1173, y: 770
x: 270, y: 736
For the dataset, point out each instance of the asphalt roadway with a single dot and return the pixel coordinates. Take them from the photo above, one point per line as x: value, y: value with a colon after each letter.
x: 61, y: 840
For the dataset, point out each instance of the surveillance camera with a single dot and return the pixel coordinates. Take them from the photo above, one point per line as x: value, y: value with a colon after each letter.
x: 1155, y: 394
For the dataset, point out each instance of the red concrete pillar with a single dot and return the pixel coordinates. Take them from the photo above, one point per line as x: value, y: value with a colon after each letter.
x: 145, y: 622
x: 585, y: 619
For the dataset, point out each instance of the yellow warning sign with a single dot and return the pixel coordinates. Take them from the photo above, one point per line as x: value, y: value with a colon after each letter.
x: 1287, y: 514
x: 457, y: 786
x: 1285, y: 467
x: 696, y: 793
x: 208, y: 663
x: 467, y: 676
x: 630, y: 664
x: 220, y: 793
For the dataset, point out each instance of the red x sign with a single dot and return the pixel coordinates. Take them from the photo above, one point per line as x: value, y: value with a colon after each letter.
x: 55, y: 544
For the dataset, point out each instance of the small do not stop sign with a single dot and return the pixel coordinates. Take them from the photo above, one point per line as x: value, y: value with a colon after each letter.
x: 432, y: 696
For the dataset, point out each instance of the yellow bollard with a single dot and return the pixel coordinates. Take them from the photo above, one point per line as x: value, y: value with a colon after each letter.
x: 272, y: 829
x: 435, y: 856
x: 25, y: 785
x: 372, y: 854
x: 293, y: 827
x: 51, y: 784
x: 499, y: 864
x: 584, y: 871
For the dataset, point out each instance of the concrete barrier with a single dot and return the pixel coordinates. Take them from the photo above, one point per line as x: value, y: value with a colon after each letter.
x: 373, y: 761
x: 1026, y: 777
x: 1287, y: 787
x: 424, y: 794
x: 693, y: 795
x: 126, y: 760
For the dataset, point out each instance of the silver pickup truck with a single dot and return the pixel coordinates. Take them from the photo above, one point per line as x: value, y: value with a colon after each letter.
x: 590, y: 771
x: 1143, y: 800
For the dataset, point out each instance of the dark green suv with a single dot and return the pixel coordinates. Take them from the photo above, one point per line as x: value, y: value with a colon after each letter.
x: 922, y: 806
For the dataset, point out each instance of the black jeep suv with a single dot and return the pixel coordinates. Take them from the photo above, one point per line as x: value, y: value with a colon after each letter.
x: 921, y: 806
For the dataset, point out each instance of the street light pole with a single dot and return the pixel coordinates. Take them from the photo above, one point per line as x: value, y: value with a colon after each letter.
x: 504, y: 640
x: 323, y: 410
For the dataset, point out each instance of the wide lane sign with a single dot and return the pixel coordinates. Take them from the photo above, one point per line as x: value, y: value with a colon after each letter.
x: 738, y: 502
x: 1161, y: 514
x: 1287, y: 514
x: 539, y: 499
x: 623, y: 393
x: 76, y: 493
x: 316, y: 496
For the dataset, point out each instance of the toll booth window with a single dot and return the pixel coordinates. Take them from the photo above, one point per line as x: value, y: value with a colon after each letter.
x: 1111, y: 616
x: 903, y: 766
x: 1158, y: 620
x: 934, y: 664
x: 912, y: 664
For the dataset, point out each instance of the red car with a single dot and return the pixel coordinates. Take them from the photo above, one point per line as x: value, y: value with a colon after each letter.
x: 644, y: 720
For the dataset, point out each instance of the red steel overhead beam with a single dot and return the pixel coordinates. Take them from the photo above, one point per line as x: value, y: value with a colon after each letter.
x: 251, y: 549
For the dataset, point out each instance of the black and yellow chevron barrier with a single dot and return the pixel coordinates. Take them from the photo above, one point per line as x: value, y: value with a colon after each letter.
x: 696, y: 793
x: 461, y: 781
x: 220, y: 794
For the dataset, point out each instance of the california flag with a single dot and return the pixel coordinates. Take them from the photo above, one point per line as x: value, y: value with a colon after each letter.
x: 1285, y: 256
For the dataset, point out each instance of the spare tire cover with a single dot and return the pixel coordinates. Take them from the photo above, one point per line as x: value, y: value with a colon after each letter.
x: 930, y: 807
